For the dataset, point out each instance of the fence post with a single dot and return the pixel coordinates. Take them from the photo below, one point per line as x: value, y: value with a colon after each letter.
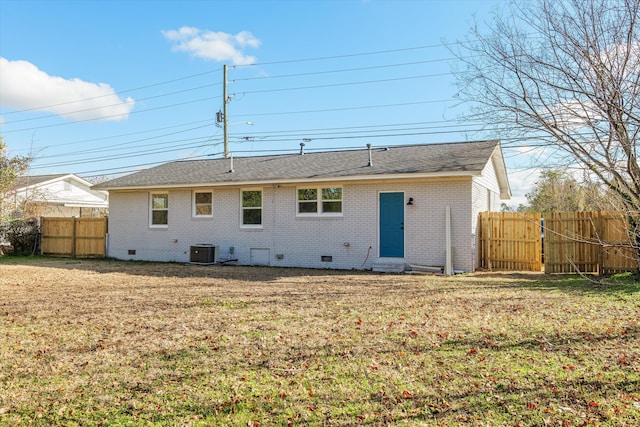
x: 40, y: 227
x: 601, y: 238
x: 489, y: 236
x: 73, y: 238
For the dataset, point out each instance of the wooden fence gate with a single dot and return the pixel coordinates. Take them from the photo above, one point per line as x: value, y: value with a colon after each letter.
x: 510, y: 241
x: 589, y: 242
x: 74, y: 237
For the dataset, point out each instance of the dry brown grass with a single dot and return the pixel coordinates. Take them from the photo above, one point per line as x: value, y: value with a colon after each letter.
x: 116, y: 343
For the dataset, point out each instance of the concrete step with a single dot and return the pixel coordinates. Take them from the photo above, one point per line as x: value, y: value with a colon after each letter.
x: 389, y: 266
x: 427, y: 268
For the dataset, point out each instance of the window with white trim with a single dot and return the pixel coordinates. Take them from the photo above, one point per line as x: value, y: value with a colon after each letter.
x: 319, y: 201
x: 158, y: 209
x: 251, y: 208
x: 202, y: 204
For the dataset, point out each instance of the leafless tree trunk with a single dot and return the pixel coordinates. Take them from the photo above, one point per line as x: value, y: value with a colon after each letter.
x: 565, y: 74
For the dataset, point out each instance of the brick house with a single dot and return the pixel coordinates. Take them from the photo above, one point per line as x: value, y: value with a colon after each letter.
x: 351, y: 209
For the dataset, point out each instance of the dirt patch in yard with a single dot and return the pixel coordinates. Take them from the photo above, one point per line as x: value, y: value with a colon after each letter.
x: 107, y: 342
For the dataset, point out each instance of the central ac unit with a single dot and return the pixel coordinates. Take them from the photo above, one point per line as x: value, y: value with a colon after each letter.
x: 204, y: 254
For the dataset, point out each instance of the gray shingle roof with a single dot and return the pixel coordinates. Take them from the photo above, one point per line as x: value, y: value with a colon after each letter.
x: 25, y: 181
x: 470, y: 157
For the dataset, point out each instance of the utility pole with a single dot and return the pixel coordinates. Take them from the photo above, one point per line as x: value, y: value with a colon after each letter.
x: 225, y: 120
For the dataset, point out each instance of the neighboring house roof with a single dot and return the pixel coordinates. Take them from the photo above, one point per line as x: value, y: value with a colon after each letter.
x: 31, y: 180
x: 60, y: 189
x: 408, y: 161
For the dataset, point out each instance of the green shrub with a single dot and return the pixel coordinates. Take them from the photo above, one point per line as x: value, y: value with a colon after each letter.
x: 22, y: 234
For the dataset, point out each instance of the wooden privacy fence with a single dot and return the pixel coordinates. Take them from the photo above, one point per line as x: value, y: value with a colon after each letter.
x: 73, y: 237
x: 589, y: 242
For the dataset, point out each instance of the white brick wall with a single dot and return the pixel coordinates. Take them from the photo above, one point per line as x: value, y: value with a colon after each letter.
x: 302, y: 241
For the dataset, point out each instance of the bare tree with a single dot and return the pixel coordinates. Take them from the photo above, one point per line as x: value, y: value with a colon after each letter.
x: 565, y: 74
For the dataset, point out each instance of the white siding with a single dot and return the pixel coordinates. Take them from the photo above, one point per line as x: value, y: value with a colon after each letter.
x: 488, y: 178
x: 300, y: 241
x: 485, y: 197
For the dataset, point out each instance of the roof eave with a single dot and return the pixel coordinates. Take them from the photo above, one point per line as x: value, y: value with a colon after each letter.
x: 281, y: 181
x: 86, y: 205
x: 501, y: 173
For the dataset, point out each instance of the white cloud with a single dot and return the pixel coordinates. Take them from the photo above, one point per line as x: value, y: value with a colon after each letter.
x: 25, y: 87
x: 216, y: 46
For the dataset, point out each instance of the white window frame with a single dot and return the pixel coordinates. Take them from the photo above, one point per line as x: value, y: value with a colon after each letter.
x: 194, y: 204
x: 151, y: 209
x: 319, y: 212
x: 261, y: 208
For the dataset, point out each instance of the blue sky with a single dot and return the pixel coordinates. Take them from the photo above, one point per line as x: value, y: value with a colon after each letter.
x: 99, y: 88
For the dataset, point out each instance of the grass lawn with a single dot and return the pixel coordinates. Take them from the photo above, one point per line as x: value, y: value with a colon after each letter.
x: 114, y: 343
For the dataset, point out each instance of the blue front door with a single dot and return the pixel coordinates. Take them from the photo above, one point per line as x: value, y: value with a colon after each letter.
x: 392, y: 225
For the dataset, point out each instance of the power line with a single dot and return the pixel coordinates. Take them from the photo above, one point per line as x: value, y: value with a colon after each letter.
x: 115, y: 105
x: 111, y: 94
x: 210, y: 98
x: 269, y: 134
x: 351, y: 55
x: 119, y: 93
x: 117, y: 157
x: 123, y: 150
x: 84, y: 141
x: 136, y: 167
x: 467, y: 123
x: 344, y: 84
x: 115, y: 115
x: 362, y: 107
x: 183, y: 146
x: 126, y: 144
x: 340, y: 71
x: 284, y: 136
x: 219, y: 69
x: 287, y: 135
